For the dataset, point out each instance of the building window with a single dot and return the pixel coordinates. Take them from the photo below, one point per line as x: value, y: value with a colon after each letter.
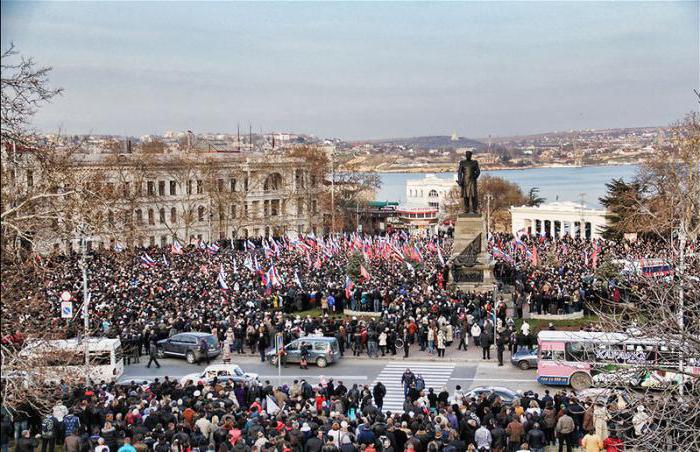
x: 314, y: 181
x: 139, y: 188
x: 273, y: 182
x: 314, y: 207
x: 200, y: 187
x: 299, y: 178
x: 256, y: 210
x: 200, y: 213
x: 126, y: 189
x: 245, y: 210
x: 173, y: 188
x: 434, y: 204
x: 163, y: 241
x: 220, y: 185
x: 432, y: 194
x: 151, y: 219
x: 274, y: 207
x: 300, y: 206
x: 233, y: 211
x: 30, y: 178
x: 152, y: 241
x: 189, y: 187
x: 110, y: 218
x: 245, y: 184
x: 173, y: 215
x: 161, y: 188
x: 150, y: 188
x: 162, y: 215
x: 232, y: 184
x: 139, y: 217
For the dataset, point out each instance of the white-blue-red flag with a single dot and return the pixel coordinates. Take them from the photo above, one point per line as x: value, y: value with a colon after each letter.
x: 440, y: 258
x: 213, y: 248
x: 147, y: 261
x: 176, y: 248
x: 221, y: 279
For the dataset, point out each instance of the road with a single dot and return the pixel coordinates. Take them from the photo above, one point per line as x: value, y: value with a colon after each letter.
x: 365, y: 371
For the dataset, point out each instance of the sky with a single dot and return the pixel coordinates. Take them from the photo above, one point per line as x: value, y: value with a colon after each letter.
x: 360, y: 70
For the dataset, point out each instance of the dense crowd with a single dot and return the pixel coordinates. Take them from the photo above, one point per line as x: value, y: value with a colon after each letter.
x: 167, y: 416
x: 557, y: 276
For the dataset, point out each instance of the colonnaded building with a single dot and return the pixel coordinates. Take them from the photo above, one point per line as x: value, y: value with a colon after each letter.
x: 158, y: 199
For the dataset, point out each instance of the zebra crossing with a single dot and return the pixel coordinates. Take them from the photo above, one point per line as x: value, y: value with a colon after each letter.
x: 436, y: 375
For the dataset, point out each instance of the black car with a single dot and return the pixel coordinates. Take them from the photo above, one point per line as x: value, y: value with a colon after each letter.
x: 187, y: 345
x: 506, y: 395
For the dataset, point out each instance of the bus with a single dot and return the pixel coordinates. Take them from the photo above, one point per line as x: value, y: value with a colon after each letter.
x: 583, y: 359
x: 65, y: 359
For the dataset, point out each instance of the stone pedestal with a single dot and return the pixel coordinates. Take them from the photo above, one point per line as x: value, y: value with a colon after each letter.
x: 471, y: 263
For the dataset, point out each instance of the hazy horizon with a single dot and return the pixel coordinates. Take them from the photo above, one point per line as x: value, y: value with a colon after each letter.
x: 360, y: 71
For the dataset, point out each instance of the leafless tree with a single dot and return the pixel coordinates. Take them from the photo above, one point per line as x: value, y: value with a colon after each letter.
x: 665, y: 309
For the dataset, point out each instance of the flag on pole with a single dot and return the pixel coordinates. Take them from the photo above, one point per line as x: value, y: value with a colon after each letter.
x: 176, y: 248
x: 533, y: 256
x: 165, y: 261
x: 213, y: 248
x: 271, y: 406
x: 235, y: 266
x: 203, y: 269
x: 221, y: 279
x: 297, y: 280
x: 349, y: 285
x: 118, y: 247
x: 440, y: 258
x: 147, y: 261
x: 248, y: 263
x: 364, y: 273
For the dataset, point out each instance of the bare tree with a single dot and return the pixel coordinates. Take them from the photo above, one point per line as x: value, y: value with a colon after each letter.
x: 665, y: 309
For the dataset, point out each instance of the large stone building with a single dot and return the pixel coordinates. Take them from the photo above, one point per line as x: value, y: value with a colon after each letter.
x: 558, y: 219
x: 162, y: 198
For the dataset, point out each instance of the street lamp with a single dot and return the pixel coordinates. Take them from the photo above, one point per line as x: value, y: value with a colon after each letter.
x: 86, y: 298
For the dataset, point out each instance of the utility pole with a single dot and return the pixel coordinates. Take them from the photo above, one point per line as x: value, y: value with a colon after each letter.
x: 86, y: 301
x: 333, y: 190
x: 682, y: 238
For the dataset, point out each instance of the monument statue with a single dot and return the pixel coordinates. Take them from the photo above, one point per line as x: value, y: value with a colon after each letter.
x: 466, y: 178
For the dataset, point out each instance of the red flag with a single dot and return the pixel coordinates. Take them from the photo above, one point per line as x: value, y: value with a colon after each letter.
x: 364, y: 273
x: 203, y: 268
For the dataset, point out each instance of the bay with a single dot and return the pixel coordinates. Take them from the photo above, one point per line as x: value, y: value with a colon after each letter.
x: 555, y: 184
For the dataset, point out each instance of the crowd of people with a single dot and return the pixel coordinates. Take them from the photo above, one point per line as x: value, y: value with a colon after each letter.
x: 170, y: 416
x: 561, y: 276
x: 246, y: 292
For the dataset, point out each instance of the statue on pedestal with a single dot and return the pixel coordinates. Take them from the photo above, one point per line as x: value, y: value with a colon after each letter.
x: 467, y: 175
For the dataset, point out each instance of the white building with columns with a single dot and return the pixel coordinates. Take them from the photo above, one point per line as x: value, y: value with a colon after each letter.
x: 431, y: 191
x: 558, y: 219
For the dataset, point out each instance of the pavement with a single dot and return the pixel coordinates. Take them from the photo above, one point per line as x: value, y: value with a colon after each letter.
x: 466, y: 369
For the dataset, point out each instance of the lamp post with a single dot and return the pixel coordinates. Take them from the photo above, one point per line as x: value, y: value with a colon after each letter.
x: 86, y: 299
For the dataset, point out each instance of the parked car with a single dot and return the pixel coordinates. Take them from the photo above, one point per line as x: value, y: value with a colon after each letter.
x: 322, y: 351
x: 507, y: 395
x: 186, y: 345
x: 525, y: 359
x: 222, y: 372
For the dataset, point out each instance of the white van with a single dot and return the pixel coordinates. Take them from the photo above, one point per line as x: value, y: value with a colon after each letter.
x: 65, y: 359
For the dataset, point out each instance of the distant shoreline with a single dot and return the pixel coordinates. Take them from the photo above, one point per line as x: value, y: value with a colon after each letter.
x: 452, y: 168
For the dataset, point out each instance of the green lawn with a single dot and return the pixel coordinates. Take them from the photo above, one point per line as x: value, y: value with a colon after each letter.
x: 536, y: 325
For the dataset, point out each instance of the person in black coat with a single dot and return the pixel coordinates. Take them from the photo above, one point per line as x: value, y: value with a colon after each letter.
x: 378, y: 392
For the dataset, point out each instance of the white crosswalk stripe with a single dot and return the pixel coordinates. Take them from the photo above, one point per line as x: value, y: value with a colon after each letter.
x: 436, y: 375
